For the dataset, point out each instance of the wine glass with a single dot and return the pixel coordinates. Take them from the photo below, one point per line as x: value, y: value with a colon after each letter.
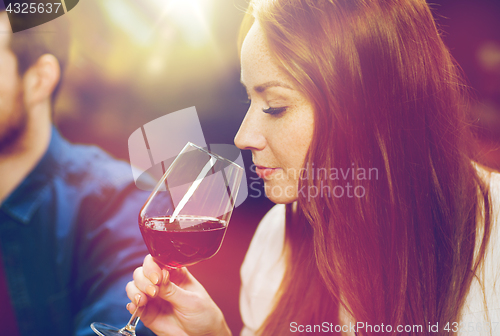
x: 185, y: 218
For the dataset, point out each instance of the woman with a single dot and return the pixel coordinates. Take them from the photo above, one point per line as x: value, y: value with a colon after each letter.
x: 340, y: 89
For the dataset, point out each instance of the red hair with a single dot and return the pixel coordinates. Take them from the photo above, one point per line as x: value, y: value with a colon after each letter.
x: 387, y: 95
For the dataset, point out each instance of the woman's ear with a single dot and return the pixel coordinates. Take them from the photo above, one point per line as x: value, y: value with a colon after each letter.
x: 40, y: 80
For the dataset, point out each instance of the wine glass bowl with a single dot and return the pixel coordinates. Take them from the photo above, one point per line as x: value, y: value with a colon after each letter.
x: 185, y: 218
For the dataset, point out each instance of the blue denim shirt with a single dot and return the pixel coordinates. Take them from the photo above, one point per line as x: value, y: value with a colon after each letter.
x: 70, y: 241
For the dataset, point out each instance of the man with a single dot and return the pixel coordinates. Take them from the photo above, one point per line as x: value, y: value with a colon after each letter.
x: 69, y: 239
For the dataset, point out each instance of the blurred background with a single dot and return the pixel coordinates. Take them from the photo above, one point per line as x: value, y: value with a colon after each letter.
x: 133, y: 61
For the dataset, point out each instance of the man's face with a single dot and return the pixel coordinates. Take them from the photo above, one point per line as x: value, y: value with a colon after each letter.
x: 13, y: 117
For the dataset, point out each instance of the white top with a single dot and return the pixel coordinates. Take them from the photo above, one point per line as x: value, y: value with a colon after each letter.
x: 264, y: 266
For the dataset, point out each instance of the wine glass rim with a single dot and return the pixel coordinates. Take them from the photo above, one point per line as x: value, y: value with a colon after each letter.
x: 216, y: 156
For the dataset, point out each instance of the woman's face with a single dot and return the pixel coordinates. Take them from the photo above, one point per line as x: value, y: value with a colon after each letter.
x: 279, y: 124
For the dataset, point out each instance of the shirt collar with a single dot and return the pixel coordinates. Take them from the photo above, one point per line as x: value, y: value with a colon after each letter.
x: 28, y: 196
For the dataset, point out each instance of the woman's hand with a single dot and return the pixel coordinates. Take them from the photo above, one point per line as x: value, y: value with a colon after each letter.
x: 176, y: 303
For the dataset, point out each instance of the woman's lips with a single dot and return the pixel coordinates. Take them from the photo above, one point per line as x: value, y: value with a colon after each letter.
x: 264, y: 172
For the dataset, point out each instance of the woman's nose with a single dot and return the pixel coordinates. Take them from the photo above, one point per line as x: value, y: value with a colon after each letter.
x: 250, y: 135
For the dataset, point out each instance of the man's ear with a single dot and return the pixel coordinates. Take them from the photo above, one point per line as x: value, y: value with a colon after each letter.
x: 40, y: 80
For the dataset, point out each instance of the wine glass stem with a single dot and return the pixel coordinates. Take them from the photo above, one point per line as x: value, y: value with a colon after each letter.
x: 129, y: 329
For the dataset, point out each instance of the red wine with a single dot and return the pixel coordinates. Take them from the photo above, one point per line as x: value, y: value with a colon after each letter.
x: 185, y: 241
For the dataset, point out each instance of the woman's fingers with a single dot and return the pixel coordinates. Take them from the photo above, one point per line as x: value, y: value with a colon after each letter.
x: 136, y: 296
x: 131, y: 307
x: 184, y: 279
x: 152, y: 270
x: 144, y: 284
x: 177, y: 286
x: 179, y: 275
x: 180, y: 298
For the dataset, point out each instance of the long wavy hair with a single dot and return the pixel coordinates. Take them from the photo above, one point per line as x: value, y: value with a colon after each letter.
x: 388, y: 96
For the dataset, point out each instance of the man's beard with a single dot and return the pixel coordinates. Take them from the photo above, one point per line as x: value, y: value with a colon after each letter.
x: 13, y: 129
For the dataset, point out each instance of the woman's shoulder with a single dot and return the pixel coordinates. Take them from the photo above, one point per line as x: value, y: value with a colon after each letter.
x: 492, y: 179
x: 494, y: 184
x: 488, y: 175
x: 270, y: 232
x: 273, y: 219
x: 262, y: 270
x: 267, y: 242
x: 488, y: 287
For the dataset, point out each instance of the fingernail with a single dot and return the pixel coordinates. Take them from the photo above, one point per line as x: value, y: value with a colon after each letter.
x: 154, y: 278
x: 137, y: 298
x: 128, y: 306
x: 151, y: 290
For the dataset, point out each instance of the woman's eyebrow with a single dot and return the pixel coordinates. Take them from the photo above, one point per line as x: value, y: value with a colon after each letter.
x: 263, y: 87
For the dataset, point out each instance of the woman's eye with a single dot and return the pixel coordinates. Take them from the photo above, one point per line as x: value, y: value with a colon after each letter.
x: 274, y: 110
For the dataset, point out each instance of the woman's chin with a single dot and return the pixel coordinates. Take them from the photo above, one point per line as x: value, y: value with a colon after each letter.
x: 280, y: 195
